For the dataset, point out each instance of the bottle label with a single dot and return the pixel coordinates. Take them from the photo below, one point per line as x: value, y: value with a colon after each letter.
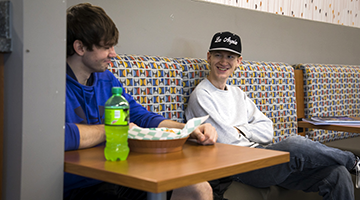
x: 115, y: 116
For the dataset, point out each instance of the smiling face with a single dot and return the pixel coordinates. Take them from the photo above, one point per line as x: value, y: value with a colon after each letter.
x: 99, y: 58
x: 222, y: 65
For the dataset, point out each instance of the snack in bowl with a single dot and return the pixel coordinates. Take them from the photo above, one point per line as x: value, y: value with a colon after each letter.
x: 161, y: 140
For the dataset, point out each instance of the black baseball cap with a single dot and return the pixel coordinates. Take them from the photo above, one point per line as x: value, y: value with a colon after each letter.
x: 226, y: 41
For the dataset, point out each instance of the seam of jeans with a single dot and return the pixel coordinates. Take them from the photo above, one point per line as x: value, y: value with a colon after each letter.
x: 332, y: 188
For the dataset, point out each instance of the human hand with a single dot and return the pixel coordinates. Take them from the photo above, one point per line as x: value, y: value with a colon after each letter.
x: 132, y: 125
x: 205, y: 134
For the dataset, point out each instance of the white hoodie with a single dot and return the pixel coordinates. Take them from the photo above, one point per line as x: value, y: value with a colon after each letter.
x: 228, y: 109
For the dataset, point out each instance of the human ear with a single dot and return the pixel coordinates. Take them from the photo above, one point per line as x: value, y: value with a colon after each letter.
x: 240, y: 59
x: 79, y: 47
x: 208, y: 56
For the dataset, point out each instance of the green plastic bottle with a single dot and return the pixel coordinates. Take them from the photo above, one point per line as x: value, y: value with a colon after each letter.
x: 116, y: 126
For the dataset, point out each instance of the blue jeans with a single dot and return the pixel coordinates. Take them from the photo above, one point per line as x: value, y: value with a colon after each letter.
x: 313, y: 167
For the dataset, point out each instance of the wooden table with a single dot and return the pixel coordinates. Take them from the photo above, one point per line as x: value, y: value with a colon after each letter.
x: 334, y: 127
x: 158, y: 173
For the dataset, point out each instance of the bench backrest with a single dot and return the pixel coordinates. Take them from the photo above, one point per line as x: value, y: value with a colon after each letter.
x: 163, y: 85
x: 330, y: 90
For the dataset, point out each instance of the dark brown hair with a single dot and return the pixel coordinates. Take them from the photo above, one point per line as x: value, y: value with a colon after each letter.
x: 91, y: 25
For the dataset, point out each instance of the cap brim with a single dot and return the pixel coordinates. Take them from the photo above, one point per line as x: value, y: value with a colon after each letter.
x: 225, y: 49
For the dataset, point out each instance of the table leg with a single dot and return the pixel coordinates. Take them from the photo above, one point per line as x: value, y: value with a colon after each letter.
x: 156, y: 196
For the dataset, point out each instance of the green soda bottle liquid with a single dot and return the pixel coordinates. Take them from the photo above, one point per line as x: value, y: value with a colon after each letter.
x: 116, y: 126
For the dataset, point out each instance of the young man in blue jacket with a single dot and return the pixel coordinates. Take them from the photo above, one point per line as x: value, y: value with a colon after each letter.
x: 91, y: 37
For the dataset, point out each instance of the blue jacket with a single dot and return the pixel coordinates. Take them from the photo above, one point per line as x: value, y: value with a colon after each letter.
x: 85, y: 105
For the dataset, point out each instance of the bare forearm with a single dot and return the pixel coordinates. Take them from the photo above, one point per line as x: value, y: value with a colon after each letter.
x: 91, y: 135
x: 171, y: 124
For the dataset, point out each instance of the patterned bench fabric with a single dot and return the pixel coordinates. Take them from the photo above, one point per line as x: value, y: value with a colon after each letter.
x: 154, y: 82
x: 194, y: 71
x: 163, y: 85
x: 331, y: 90
x: 272, y: 88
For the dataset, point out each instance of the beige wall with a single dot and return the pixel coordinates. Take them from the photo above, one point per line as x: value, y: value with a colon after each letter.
x: 183, y: 28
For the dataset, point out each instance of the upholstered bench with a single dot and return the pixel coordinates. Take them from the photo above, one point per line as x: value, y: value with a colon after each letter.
x: 330, y: 90
x: 163, y: 85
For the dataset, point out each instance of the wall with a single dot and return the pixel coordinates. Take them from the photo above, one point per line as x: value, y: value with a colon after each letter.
x: 34, y: 96
x: 344, y: 12
x: 184, y: 28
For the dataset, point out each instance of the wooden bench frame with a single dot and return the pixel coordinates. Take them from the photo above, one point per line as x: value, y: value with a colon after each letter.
x: 299, y: 91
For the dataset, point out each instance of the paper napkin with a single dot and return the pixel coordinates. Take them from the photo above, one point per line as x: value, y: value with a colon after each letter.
x: 165, y: 133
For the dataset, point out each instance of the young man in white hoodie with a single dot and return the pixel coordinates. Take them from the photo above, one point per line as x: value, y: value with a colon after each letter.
x: 313, y: 167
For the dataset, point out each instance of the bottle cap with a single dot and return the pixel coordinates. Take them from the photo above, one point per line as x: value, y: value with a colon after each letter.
x: 117, y: 90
